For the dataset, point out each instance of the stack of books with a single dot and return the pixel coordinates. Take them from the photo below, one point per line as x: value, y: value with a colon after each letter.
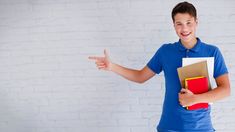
x: 195, y: 77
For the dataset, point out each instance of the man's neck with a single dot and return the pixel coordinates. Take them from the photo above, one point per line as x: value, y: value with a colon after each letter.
x: 189, y: 45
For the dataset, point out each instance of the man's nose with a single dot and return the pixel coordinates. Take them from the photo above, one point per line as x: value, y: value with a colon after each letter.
x: 184, y: 28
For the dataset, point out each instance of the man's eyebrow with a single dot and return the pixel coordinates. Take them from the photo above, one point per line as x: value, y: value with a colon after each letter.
x: 177, y: 22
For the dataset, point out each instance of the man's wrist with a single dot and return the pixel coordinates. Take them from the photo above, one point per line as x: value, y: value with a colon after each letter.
x: 111, y: 66
x: 197, y: 99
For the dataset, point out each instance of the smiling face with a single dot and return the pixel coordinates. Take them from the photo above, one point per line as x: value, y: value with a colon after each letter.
x: 185, y: 27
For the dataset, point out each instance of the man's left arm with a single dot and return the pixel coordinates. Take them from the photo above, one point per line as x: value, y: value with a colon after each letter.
x: 187, y: 98
x: 221, y: 91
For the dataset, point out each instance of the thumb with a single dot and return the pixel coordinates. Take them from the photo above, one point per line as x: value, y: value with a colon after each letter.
x: 106, y: 53
x: 183, y: 90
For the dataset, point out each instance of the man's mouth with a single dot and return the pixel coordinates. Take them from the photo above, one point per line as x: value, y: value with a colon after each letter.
x: 185, y: 34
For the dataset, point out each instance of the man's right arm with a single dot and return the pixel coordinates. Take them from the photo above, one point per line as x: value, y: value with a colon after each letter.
x: 139, y: 76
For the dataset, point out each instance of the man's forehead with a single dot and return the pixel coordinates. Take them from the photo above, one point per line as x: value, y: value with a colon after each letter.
x: 184, y: 18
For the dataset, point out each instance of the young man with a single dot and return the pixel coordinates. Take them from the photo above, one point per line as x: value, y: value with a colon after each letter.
x: 168, y: 58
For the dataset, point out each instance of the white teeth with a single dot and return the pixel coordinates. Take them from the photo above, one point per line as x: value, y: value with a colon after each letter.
x: 185, y: 34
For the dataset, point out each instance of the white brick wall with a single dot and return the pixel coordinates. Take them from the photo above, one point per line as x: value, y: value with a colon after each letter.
x: 47, y: 84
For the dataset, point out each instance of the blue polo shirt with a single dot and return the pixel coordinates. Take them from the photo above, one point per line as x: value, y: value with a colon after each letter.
x: 168, y: 58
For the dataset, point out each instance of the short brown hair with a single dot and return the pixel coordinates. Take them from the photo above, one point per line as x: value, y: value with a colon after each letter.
x: 184, y: 7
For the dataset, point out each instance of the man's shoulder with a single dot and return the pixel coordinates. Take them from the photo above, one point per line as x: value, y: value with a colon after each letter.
x: 168, y: 45
x: 209, y: 46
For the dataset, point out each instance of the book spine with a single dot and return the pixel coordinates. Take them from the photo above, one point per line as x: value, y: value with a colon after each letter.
x: 186, y: 87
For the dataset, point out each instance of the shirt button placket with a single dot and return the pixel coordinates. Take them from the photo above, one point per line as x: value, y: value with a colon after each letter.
x: 187, y: 53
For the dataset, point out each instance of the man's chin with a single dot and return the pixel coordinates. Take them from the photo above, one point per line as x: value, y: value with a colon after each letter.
x: 185, y: 40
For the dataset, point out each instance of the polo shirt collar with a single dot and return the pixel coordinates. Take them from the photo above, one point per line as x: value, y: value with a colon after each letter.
x: 196, y: 47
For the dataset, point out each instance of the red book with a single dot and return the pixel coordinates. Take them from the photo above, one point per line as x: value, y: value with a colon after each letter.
x: 197, y: 85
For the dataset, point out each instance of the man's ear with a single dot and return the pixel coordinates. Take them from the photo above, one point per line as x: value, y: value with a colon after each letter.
x: 196, y: 21
x: 173, y: 22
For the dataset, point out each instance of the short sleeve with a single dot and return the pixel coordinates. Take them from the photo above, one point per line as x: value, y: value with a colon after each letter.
x: 155, y: 63
x: 219, y: 65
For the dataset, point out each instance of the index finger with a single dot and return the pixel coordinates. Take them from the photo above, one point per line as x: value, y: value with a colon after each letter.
x: 95, y: 58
